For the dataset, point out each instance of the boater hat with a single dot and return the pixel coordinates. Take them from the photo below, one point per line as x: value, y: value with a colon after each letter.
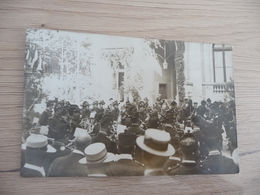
x: 97, y: 153
x: 156, y: 142
x: 36, y: 141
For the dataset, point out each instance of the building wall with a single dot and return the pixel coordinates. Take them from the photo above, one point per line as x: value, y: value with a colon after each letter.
x: 199, y: 73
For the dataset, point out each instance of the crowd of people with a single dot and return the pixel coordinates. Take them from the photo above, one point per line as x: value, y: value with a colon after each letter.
x: 130, y: 139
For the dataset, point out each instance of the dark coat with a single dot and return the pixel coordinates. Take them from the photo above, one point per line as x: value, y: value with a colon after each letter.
x: 59, y: 128
x: 115, y: 114
x: 186, y: 169
x: 110, y: 145
x: 98, y: 169
x: 218, y: 164
x: 44, y: 118
x: 135, y: 129
x: 38, y: 158
x: 68, y: 166
x: 125, y: 167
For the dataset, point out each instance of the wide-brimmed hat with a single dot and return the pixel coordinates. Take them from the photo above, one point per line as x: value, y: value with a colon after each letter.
x: 36, y: 141
x: 97, y: 153
x: 156, y: 142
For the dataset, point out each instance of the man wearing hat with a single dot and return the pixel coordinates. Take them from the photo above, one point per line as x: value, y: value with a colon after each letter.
x: 153, y: 150
x: 38, y: 155
x: 174, y: 111
x: 59, y: 124
x: 44, y: 118
x: 153, y: 120
x: 146, y: 102
x: 97, y: 159
x: 202, y: 110
x: 98, y: 110
x: 74, y: 119
x: 169, y: 127
x: 69, y: 165
x: 85, y: 111
x: 115, y: 111
x: 216, y: 163
x: 189, y: 158
x: 142, y: 112
x: 102, y: 137
x: 135, y: 126
x: 209, y: 103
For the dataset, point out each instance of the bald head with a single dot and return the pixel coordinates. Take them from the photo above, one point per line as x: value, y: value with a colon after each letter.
x: 82, y: 141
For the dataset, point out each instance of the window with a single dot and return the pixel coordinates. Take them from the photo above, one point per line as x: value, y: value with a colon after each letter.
x: 222, y: 63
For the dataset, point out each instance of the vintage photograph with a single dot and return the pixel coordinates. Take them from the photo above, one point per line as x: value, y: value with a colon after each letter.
x: 101, y: 106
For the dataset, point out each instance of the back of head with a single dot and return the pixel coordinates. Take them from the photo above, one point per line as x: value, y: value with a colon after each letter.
x: 82, y: 141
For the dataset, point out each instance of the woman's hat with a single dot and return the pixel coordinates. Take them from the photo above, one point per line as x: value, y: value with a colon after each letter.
x: 97, y: 153
x: 156, y: 142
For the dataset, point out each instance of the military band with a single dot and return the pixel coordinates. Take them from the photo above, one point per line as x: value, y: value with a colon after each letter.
x: 130, y: 138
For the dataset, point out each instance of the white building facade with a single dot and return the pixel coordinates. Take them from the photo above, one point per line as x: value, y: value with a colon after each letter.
x: 207, y: 69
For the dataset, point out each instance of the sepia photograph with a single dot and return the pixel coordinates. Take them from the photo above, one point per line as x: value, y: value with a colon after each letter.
x: 101, y: 105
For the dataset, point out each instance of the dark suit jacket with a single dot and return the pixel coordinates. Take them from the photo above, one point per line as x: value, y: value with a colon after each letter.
x: 44, y: 118
x: 217, y: 164
x: 189, y: 169
x: 135, y: 129
x: 68, y: 166
x: 110, y: 145
x: 125, y: 167
x: 38, y: 158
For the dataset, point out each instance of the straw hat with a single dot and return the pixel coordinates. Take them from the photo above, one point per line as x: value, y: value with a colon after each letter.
x: 97, y: 153
x: 156, y: 142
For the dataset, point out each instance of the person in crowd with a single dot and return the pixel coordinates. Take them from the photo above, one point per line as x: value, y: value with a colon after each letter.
x: 47, y: 113
x: 195, y: 105
x: 188, y: 110
x: 107, y: 122
x: 142, y: 112
x: 59, y: 124
x: 115, y: 110
x: 97, y: 160
x: 100, y: 110
x: 38, y: 156
x: 135, y: 125
x: 169, y: 127
x: 216, y: 163
x: 209, y: 103
x: 174, y: 110
x: 85, y: 111
x: 69, y: 165
x: 202, y: 110
x: 146, y: 102
x: 153, y: 120
x: 189, y: 158
x: 94, y: 111
x: 153, y: 150
x: 102, y: 137
x: 74, y: 119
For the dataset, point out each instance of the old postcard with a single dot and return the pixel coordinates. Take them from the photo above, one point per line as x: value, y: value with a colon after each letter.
x: 100, y: 106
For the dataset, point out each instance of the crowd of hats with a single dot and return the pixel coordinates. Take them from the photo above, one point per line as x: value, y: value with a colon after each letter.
x: 165, y: 129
